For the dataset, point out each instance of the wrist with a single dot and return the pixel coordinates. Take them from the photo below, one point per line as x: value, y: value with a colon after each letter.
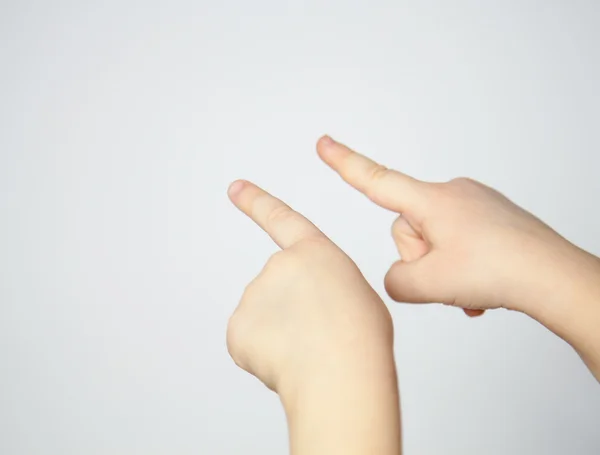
x: 569, y: 304
x: 338, y: 373
x: 348, y: 407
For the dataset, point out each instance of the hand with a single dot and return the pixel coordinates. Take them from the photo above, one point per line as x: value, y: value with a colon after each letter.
x: 311, y: 328
x: 310, y: 309
x: 464, y: 244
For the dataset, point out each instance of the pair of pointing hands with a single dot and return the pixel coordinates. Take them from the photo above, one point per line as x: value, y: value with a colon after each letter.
x: 311, y: 309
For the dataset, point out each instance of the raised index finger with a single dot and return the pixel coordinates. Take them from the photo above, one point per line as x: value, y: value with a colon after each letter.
x: 284, y: 225
x: 390, y: 189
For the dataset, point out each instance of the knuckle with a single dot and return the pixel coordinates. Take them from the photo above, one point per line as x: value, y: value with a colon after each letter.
x: 234, y: 331
x: 239, y: 339
x: 239, y: 326
x: 249, y: 291
x: 278, y: 259
x: 376, y: 175
x: 278, y: 263
x: 379, y: 172
x: 278, y: 214
x: 462, y: 181
x: 397, y: 225
x: 455, y: 190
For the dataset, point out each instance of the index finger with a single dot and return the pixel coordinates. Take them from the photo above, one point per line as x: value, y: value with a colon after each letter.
x: 389, y: 189
x: 284, y: 225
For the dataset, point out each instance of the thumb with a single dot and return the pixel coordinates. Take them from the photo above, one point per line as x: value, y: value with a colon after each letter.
x: 425, y: 280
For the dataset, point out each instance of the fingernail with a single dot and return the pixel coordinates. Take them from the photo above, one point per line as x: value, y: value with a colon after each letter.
x: 327, y: 140
x: 235, y: 188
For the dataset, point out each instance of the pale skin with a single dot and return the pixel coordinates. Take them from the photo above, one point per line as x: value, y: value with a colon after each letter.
x: 313, y: 330
x: 464, y: 244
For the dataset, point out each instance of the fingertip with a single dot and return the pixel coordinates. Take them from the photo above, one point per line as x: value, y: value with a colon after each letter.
x: 474, y: 313
x: 236, y: 188
x: 325, y: 141
x: 325, y: 148
x: 390, y: 281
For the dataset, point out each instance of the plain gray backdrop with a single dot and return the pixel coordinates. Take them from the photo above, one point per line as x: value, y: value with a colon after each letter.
x: 121, y: 259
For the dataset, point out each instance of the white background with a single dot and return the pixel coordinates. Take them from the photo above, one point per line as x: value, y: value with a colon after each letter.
x: 121, y: 125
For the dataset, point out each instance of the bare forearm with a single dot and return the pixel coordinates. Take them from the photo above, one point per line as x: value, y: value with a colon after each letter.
x: 571, y: 307
x: 350, y: 409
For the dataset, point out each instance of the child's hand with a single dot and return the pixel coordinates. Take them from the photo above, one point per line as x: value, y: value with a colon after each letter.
x: 310, y: 313
x: 464, y: 244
